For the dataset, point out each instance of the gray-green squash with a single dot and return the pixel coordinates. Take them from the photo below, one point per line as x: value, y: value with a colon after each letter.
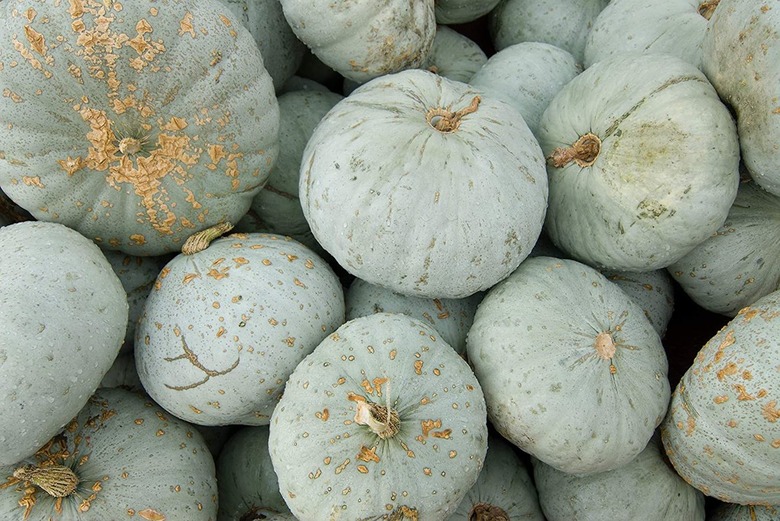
x: 135, y: 123
x: 643, y: 161
x: 740, y: 263
x: 462, y: 11
x: 224, y: 328
x: 652, y: 290
x: 424, y: 185
x: 454, y: 55
x: 383, y: 421
x: 722, y: 433
x: 735, y: 512
x: 121, y: 457
x: 572, y: 370
x: 64, y: 320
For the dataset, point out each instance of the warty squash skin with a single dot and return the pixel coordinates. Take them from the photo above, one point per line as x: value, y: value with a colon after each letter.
x: 136, y: 123
x: 383, y: 421
x: 572, y: 370
x: 643, y: 161
x: 424, y: 185
x: 722, y: 432
x: 121, y: 457
x: 64, y: 319
x: 223, y: 328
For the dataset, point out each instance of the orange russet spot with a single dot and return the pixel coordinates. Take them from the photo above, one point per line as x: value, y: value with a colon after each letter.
x: 151, y: 515
x: 770, y: 412
x: 418, y: 365
x: 721, y: 399
x: 323, y: 415
x: 368, y: 455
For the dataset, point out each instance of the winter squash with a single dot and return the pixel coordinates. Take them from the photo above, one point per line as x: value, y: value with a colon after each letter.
x: 741, y: 262
x: 504, y: 490
x: 527, y: 75
x: 572, y: 370
x: 454, y: 55
x: 424, y: 186
x: 652, y: 290
x: 64, y: 319
x: 643, y: 162
x: 135, y: 123
x: 123, y: 373
x: 122, y: 457
x: 383, y: 420
x: 282, y: 51
x: 223, y: 328
x: 364, y: 39
x: 462, y: 11
x: 565, y: 23
x: 667, y: 27
x: 743, y: 68
x: 452, y: 318
x: 655, y: 492
x: 247, y: 482
x: 722, y: 432
x: 735, y: 512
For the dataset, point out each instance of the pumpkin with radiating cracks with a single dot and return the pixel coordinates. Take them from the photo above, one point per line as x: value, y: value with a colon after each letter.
x: 573, y: 372
x: 643, y: 161
x: 383, y: 421
x: 121, y: 457
x: 64, y: 315
x: 740, y: 57
x: 136, y: 123
x: 424, y: 185
x: 722, y: 433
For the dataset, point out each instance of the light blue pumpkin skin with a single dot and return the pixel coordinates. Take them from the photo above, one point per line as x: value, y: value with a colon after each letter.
x: 223, y: 328
x: 462, y: 11
x: 135, y: 123
x: 735, y: 512
x: 741, y: 262
x: 64, y: 319
x: 573, y: 371
x: 130, y: 456
x: 333, y: 464
x: 454, y: 55
x: 652, y: 290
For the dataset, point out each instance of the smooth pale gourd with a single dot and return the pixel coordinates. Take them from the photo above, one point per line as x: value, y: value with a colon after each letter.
x: 722, y: 433
x: 363, y: 39
x: 462, y: 11
x: 664, y: 26
x: 645, y: 488
x: 121, y: 457
x: 454, y: 55
x: 527, y: 75
x: 425, y: 186
x: 573, y: 372
x: 504, y: 490
x: 382, y: 421
x: 741, y: 262
x: 64, y: 320
x: 223, y: 328
x: 744, y: 69
x: 643, y: 161
x: 135, y: 123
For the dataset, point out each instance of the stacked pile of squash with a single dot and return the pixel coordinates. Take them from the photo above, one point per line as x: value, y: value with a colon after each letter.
x: 401, y: 260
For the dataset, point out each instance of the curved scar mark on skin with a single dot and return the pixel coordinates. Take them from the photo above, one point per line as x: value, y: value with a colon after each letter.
x: 193, y: 359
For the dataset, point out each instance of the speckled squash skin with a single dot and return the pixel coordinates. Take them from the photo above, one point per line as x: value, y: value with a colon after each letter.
x: 735, y: 512
x: 722, y: 432
x: 454, y: 55
x: 277, y: 207
x: 64, y: 319
x: 643, y: 162
x: 646, y: 488
x: 335, y: 455
x: 452, y: 318
x: 527, y: 75
x: 564, y: 23
x: 135, y: 123
x: 573, y: 372
x: 133, y: 461
x: 247, y: 482
x: 741, y: 262
x: 223, y: 328
x: 652, y: 290
x: 282, y: 51
x: 744, y: 70
x: 669, y: 27
x: 504, y: 488
x: 425, y: 211
x: 363, y: 39
x: 462, y: 11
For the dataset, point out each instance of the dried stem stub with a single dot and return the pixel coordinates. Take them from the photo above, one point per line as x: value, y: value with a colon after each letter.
x: 584, y: 152
x: 487, y: 512
x: 446, y: 121
x: 707, y: 7
x: 56, y: 480
x: 201, y: 240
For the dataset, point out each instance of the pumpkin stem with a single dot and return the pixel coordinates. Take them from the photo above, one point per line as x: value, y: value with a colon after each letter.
x: 584, y: 152
x: 201, y: 240
x: 130, y: 145
x: 383, y: 421
x: 707, y: 7
x: 56, y: 480
x: 445, y: 120
x: 487, y: 512
x: 605, y: 345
